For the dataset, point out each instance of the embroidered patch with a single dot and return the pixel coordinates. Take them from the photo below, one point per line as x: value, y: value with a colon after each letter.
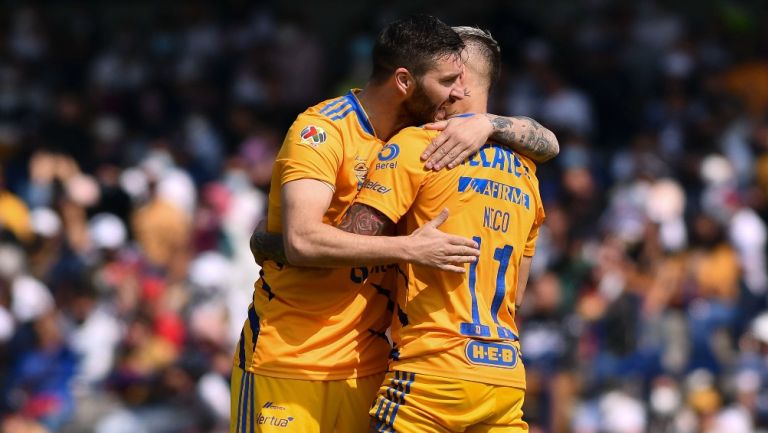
x: 313, y: 135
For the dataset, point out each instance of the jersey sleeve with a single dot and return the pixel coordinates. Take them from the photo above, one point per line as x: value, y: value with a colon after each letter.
x: 396, y: 175
x: 312, y: 149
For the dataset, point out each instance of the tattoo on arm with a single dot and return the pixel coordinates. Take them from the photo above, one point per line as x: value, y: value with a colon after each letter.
x: 526, y: 136
x: 269, y: 246
x: 499, y: 123
x: 365, y: 220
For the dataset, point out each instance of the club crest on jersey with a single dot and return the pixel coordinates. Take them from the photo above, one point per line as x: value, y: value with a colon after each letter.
x: 361, y: 171
x: 313, y: 135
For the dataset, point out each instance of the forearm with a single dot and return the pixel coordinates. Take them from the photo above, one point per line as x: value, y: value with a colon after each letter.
x: 525, y: 136
x: 310, y: 242
x: 321, y: 245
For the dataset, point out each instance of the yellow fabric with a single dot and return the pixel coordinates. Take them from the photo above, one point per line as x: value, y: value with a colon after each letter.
x: 319, y: 324
x: 441, y: 328
x: 419, y: 403
x: 14, y: 216
x: 267, y: 404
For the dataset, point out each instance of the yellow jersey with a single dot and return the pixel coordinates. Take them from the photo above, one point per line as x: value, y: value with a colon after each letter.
x: 312, y: 323
x: 459, y: 325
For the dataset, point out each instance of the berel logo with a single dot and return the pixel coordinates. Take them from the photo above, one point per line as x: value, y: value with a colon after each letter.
x: 385, y: 165
x: 389, y: 152
x: 271, y: 405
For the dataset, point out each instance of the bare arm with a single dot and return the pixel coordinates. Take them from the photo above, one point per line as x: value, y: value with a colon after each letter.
x: 359, y: 219
x: 526, y: 136
x: 310, y: 242
x: 522, y: 280
x: 463, y: 136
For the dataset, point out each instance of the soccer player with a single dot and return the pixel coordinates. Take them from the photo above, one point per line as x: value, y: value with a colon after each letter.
x: 456, y: 365
x: 312, y: 351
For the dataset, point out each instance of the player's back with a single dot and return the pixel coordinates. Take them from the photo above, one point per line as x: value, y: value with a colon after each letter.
x: 462, y: 325
x: 312, y: 323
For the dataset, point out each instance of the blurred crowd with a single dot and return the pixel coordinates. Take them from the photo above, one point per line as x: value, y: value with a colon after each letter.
x: 136, y: 147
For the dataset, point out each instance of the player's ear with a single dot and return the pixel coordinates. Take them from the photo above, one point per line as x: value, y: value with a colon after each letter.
x: 404, y: 80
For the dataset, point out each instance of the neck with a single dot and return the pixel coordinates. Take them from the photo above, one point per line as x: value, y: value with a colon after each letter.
x: 382, y: 107
x: 475, y: 104
x: 478, y: 103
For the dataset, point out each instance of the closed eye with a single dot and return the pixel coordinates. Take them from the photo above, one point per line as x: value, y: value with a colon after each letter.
x: 450, y: 80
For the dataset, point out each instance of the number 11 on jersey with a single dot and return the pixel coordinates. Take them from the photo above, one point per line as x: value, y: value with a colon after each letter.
x: 476, y: 328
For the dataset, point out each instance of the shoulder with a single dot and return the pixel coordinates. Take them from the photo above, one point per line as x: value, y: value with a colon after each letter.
x: 530, y: 166
x: 319, y: 113
x: 415, y: 134
x: 412, y: 140
x: 341, y: 115
x: 325, y: 112
x: 313, y: 128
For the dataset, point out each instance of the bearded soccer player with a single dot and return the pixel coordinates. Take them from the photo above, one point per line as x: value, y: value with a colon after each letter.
x: 313, y: 351
x: 456, y: 365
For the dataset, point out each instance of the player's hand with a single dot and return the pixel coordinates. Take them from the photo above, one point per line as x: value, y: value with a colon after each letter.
x: 461, y: 137
x: 431, y: 247
x: 261, y: 227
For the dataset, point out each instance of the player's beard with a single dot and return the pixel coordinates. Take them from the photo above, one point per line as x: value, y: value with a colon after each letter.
x: 419, y: 109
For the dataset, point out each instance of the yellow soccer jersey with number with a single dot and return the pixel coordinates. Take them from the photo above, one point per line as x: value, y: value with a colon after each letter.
x: 459, y: 325
x: 311, y: 323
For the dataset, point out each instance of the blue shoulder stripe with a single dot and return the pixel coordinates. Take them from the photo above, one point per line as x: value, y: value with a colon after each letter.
x: 329, y: 105
x: 344, y: 113
x: 340, y: 107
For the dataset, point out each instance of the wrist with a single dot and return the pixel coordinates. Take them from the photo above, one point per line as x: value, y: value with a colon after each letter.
x: 403, y: 249
x: 493, y: 126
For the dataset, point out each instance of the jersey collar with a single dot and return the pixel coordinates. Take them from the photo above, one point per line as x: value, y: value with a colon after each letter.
x: 362, y: 117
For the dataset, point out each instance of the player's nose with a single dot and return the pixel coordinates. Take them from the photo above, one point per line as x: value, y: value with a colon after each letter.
x: 457, y: 93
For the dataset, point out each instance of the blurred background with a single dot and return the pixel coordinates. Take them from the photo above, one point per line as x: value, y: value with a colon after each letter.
x: 136, y: 147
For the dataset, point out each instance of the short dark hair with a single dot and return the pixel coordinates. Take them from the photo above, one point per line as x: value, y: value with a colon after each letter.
x: 482, y: 41
x: 414, y: 43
